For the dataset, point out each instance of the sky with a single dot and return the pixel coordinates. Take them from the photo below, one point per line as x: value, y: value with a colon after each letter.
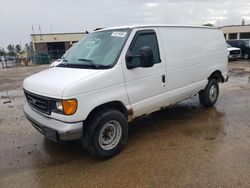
x: 53, y: 16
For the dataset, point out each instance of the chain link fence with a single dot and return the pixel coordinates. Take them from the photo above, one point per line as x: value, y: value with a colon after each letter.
x: 32, y: 58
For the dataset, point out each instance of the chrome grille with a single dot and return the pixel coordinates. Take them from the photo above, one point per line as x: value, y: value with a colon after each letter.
x: 234, y: 52
x: 38, y: 102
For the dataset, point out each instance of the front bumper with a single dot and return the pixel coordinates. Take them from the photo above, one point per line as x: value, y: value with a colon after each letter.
x: 53, y: 129
x: 234, y: 56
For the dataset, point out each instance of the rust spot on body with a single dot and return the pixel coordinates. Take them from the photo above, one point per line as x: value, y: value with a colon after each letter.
x: 130, y: 115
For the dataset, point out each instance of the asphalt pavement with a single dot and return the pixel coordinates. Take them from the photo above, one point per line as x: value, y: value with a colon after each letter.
x: 184, y: 146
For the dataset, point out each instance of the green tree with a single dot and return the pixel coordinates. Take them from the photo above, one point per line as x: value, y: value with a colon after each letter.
x: 18, y: 48
x: 11, y: 50
x: 2, y: 52
x: 10, y: 47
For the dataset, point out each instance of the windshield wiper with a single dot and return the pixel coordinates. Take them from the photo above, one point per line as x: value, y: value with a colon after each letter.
x: 87, y: 60
x: 94, y: 65
x: 89, y: 65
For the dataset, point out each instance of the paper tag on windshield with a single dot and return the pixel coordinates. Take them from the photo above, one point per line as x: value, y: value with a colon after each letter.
x: 118, y: 34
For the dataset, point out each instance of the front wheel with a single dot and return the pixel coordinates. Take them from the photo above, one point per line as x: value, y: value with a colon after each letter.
x: 105, y: 134
x: 209, y: 95
x: 246, y: 56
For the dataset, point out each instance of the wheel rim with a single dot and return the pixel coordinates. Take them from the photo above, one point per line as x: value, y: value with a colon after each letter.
x: 213, y: 93
x: 110, y: 135
x: 246, y: 56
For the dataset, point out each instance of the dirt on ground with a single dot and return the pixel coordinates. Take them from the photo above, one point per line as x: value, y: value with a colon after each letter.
x: 184, y: 146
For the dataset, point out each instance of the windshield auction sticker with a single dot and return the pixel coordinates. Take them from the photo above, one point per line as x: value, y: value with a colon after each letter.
x: 118, y: 34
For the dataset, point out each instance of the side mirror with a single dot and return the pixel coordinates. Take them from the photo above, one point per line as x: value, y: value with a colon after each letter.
x: 145, y: 57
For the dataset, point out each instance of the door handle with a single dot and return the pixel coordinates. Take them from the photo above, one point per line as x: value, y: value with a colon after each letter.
x: 163, y: 78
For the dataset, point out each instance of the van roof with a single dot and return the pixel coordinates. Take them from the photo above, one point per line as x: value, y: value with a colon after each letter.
x: 157, y: 25
x: 238, y: 39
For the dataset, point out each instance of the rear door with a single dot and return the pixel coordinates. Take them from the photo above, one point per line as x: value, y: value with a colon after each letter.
x: 145, y: 86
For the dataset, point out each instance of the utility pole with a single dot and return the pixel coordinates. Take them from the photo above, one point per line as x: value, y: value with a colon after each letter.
x: 33, y: 46
x: 40, y: 32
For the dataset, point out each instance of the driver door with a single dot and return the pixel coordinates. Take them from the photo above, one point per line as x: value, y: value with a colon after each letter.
x: 145, y: 86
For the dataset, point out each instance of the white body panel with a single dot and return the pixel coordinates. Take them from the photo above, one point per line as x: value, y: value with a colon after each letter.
x: 192, y: 55
x: 144, y: 85
x: 189, y: 55
x: 52, y: 82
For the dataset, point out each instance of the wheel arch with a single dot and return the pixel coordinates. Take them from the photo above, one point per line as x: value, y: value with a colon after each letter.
x: 117, y: 105
x: 217, y: 75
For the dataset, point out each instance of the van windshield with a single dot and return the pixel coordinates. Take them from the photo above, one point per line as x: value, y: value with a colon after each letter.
x: 98, y: 50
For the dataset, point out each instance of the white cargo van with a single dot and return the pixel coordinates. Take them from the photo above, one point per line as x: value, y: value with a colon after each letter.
x: 114, y: 75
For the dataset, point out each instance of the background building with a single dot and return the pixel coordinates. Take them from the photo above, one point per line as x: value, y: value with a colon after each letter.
x: 55, y: 44
x: 236, y: 31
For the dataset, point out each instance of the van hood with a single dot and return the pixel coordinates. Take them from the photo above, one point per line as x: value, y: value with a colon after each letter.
x: 232, y: 48
x: 53, y: 81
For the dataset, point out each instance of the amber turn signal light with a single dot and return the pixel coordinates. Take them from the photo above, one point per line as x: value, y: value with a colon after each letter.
x: 69, y: 106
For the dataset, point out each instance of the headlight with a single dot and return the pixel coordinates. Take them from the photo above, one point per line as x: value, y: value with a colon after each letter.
x: 66, y: 107
x: 69, y: 106
x: 59, y: 106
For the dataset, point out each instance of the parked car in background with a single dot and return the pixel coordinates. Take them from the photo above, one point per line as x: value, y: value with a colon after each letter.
x: 233, y: 52
x: 10, y: 58
x: 243, y: 44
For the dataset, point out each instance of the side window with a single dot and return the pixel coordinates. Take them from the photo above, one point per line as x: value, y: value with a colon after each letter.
x: 142, y: 39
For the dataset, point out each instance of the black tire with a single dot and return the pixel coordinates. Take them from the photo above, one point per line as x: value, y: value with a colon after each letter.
x: 208, y: 99
x: 245, y: 56
x: 95, y: 126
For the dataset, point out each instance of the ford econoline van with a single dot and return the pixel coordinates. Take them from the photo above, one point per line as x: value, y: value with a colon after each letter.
x: 115, y: 75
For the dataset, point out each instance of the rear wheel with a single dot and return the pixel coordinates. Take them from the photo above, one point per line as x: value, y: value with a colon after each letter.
x: 105, y: 134
x: 209, y: 95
